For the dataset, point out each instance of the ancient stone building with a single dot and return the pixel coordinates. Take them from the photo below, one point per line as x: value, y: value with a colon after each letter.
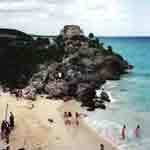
x: 71, y: 30
x: 73, y: 37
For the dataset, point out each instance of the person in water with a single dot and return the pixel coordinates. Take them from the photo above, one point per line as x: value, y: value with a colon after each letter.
x: 137, y: 131
x: 123, y: 132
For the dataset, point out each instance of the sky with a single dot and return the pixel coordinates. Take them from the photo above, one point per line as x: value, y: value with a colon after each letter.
x: 102, y: 17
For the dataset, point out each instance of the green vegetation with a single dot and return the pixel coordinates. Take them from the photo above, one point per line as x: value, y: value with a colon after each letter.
x: 91, y: 36
x: 19, y: 63
x: 94, y: 42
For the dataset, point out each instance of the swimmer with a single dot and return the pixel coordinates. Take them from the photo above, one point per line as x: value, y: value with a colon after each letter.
x: 137, y: 131
x: 123, y: 132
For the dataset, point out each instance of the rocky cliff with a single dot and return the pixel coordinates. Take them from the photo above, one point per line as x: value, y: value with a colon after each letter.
x: 80, y: 71
x: 74, y: 65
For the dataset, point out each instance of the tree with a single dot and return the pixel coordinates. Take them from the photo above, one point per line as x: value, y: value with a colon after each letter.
x: 109, y: 49
x: 91, y: 36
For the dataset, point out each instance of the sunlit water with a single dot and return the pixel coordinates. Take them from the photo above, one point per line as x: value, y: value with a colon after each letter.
x: 130, y: 97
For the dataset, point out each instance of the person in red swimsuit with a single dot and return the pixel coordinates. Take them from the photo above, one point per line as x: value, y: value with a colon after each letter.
x: 137, y: 131
x: 123, y: 132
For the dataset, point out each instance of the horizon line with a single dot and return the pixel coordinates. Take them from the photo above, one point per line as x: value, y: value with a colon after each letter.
x: 118, y: 36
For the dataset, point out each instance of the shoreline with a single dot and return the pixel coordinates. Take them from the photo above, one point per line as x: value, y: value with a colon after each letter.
x: 32, y: 126
x: 91, y: 130
x: 100, y: 136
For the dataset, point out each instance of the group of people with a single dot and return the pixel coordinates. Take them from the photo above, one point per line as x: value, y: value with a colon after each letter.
x: 136, y: 132
x: 7, y: 127
x: 68, y: 118
x: 123, y: 134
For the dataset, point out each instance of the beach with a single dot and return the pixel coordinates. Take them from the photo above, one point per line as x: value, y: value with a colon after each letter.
x: 33, y: 131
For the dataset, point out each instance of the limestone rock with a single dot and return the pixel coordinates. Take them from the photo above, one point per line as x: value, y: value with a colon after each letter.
x: 57, y: 88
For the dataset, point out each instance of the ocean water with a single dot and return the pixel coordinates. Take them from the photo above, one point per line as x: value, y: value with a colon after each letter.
x: 130, y: 96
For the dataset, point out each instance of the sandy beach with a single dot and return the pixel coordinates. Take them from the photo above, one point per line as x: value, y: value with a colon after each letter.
x: 33, y: 131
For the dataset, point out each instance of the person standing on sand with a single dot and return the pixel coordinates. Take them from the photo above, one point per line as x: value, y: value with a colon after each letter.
x: 11, y: 121
x: 65, y: 118
x: 77, y: 115
x: 69, y: 118
x: 20, y: 93
x: 3, y: 124
x: 123, y: 132
x: 17, y: 94
x: 7, y: 132
x: 137, y: 131
x: 102, y: 147
x: 8, y: 148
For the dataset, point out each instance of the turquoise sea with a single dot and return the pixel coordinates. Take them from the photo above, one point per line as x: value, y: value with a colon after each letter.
x: 131, y: 96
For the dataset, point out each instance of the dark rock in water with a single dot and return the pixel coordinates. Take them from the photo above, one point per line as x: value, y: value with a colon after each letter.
x: 99, y: 103
x: 92, y: 105
x: 130, y: 67
x: 85, y: 93
x: 50, y: 120
x: 88, y: 103
x: 104, y: 96
x: 91, y: 109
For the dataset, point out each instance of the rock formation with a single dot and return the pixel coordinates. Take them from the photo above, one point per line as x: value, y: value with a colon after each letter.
x: 75, y: 67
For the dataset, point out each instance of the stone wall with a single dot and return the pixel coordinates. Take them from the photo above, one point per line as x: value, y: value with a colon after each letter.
x: 71, y: 30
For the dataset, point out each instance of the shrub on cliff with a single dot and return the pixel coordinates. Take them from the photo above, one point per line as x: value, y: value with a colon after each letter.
x: 94, y: 42
x: 19, y: 64
x: 91, y: 36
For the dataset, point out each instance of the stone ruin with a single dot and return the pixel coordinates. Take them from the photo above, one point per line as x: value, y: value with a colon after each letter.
x: 71, y: 30
x: 74, y: 37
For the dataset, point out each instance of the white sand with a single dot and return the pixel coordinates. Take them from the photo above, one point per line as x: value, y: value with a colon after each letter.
x: 35, y: 132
